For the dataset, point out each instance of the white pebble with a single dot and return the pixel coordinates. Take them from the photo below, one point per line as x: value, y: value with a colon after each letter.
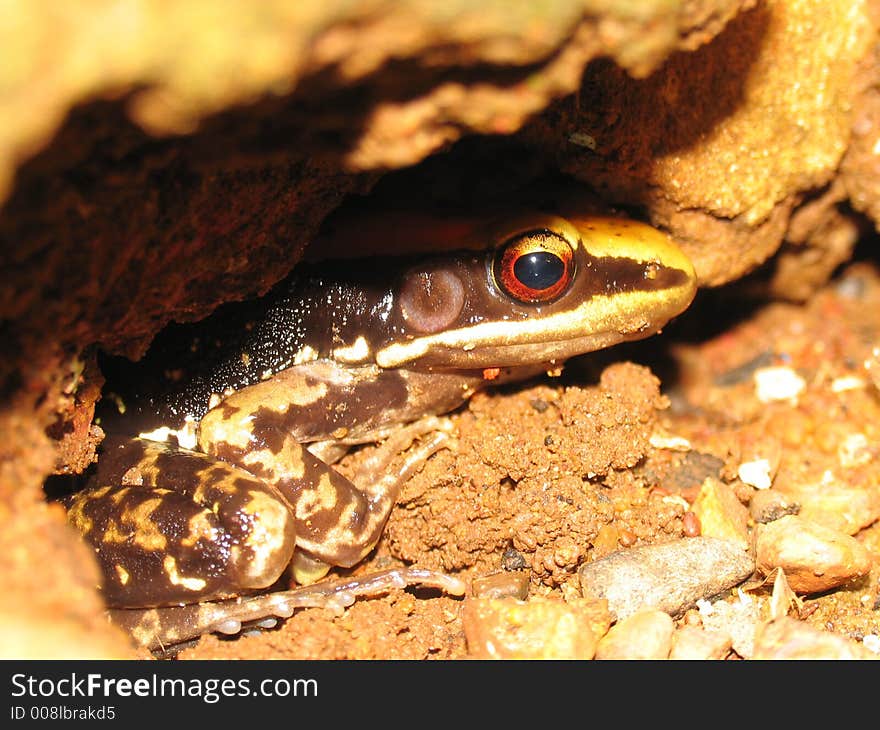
x: 872, y: 643
x: 778, y: 384
x: 756, y: 473
x: 847, y: 382
x: 673, y: 443
x: 855, y: 450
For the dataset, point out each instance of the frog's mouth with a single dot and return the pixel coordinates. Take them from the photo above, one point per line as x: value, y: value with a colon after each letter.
x: 546, y: 355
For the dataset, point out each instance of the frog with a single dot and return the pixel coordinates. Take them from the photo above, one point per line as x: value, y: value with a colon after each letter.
x: 217, y: 476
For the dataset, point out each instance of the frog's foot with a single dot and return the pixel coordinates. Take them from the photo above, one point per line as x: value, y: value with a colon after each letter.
x: 160, y: 628
x: 375, y: 477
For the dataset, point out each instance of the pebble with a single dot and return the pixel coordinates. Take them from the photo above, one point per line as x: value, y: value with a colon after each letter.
x: 670, y: 577
x: 788, y: 638
x: 606, y: 540
x: 848, y: 382
x: 738, y: 618
x: 721, y: 514
x: 833, y: 504
x: 756, y: 473
x: 673, y: 443
x: 690, y: 525
x: 778, y: 383
x: 694, y: 642
x: 771, y: 504
x: 507, y: 584
x: 644, y: 635
x: 540, y: 628
x: 813, y: 557
x: 855, y: 450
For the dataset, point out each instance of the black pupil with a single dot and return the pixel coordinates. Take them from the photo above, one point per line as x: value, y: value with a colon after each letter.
x: 538, y: 270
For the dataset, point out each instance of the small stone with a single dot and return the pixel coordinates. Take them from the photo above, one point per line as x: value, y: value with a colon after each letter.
x: 673, y: 443
x: 606, y: 541
x: 693, y: 642
x: 505, y: 628
x: 644, y: 635
x: 872, y: 643
x: 771, y: 504
x: 778, y: 384
x: 848, y: 382
x: 855, y: 450
x: 502, y: 585
x: 737, y: 618
x: 670, y: 577
x: 513, y: 560
x: 836, y: 505
x: 788, y: 638
x: 813, y: 557
x: 756, y: 473
x: 721, y: 514
x: 690, y: 524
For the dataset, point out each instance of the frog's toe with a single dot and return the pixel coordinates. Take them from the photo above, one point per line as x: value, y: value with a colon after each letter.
x: 376, y: 478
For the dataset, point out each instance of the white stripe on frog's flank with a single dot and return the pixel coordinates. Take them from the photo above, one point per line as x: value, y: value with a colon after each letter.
x: 161, y: 434
x: 185, y: 435
x: 358, y: 352
x: 305, y: 354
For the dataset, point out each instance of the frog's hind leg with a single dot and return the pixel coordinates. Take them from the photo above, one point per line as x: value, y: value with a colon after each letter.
x: 172, y: 526
x: 160, y: 628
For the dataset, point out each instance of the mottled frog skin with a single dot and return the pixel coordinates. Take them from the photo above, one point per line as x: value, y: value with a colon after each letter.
x: 206, y: 492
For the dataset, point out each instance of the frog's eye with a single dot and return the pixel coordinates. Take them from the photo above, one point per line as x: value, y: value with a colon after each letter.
x: 534, y: 267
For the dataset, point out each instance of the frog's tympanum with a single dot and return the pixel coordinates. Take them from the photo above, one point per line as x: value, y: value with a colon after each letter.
x: 215, y: 476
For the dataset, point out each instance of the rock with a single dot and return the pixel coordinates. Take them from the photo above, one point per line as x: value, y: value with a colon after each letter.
x: 813, y: 557
x: 606, y: 541
x: 836, y: 505
x: 778, y: 383
x: 507, y: 584
x: 721, y: 514
x: 771, y: 504
x: 788, y: 638
x: 505, y: 628
x: 644, y: 635
x: 738, y: 619
x: 693, y: 642
x: 670, y: 577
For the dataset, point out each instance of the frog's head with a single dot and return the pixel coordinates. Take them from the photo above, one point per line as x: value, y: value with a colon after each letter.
x: 549, y: 288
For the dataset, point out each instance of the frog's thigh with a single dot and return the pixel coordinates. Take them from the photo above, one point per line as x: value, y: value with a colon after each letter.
x: 174, y: 526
